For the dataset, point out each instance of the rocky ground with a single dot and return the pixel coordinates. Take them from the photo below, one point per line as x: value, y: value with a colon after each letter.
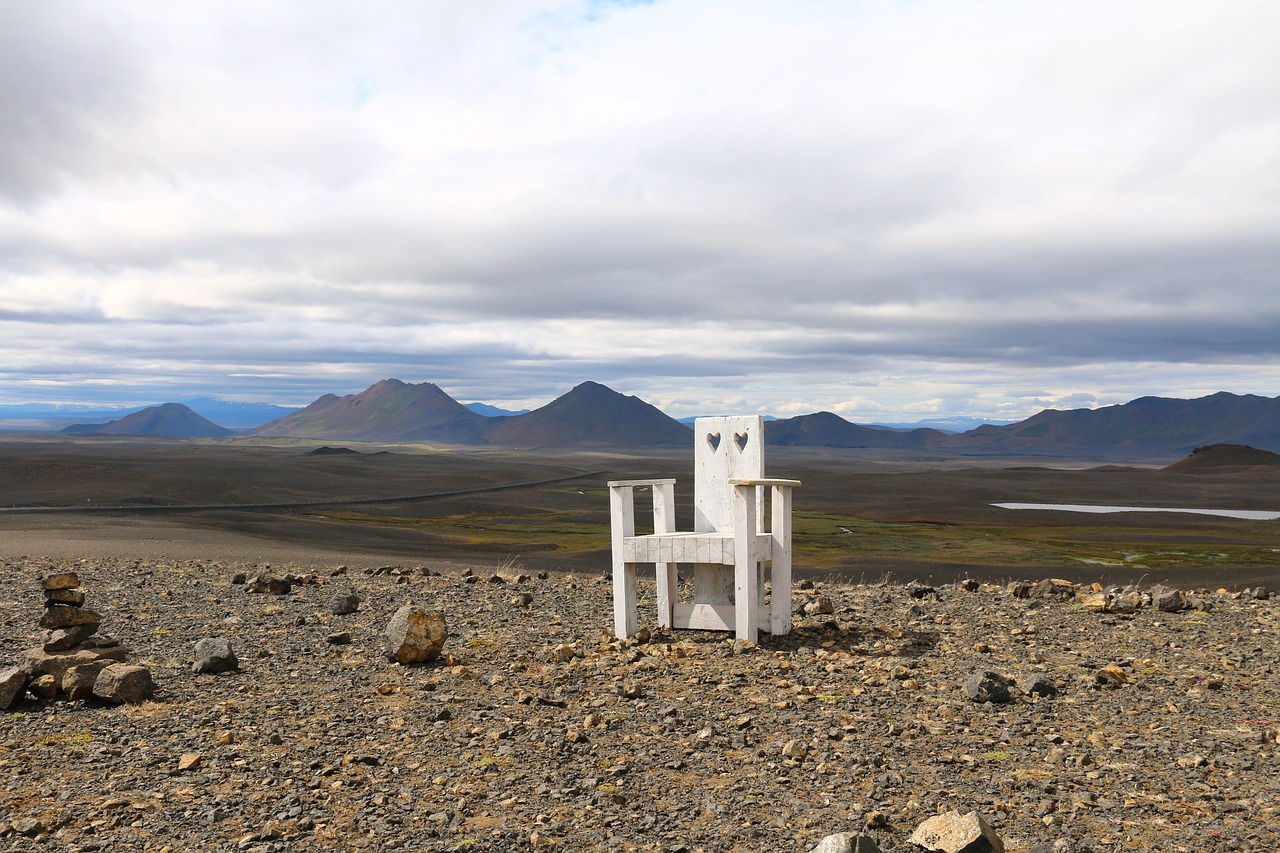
x: 537, y: 730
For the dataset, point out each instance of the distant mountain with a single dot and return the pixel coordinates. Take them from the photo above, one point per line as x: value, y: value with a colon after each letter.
x: 493, y: 411
x: 169, y: 420
x: 591, y: 415
x: 237, y: 415
x: 389, y: 410
x: 50, y: 417
x: 824, y: 429
x: 1217, y: 457
x: 1148, y: 426
x: 65, y: 410
x: 950, y: 425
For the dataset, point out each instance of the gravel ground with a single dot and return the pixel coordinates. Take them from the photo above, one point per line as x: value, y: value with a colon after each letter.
x: 540, y: 731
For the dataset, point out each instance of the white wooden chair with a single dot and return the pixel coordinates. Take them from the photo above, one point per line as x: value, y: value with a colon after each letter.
x: 729, y: 545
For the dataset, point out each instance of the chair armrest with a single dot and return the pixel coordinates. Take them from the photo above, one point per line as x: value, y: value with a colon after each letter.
x: 622, y: 507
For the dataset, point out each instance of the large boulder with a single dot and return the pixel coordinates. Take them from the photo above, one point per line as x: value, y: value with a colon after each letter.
x: 124, y: 684
x: 39, y: 662
x: 1168, y: 600
x: 847, y: 842
x: 78, y: 681
x: 344, y: 604
x: 214, y: 654
x: 60, y: 580
x: 65, y: 639
x: 66, y: 616
x: 957, y: 833
x: 414, y: 635
x: 13, y: 683
x: 989, y: 687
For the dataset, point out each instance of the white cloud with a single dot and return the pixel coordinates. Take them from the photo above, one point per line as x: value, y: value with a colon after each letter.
x: 877, y: 208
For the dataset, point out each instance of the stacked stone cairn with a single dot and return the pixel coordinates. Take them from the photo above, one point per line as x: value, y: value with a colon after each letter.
x: 74, y: 661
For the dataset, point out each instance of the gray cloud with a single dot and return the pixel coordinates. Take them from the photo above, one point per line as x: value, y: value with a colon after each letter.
x: 887, y: 211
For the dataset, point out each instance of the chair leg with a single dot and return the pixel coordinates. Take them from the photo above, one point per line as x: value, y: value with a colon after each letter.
x: 667, y: 593
x: 780, y: 607
x: 746, y: 566
x: 664, y: 521
x: 746, y: 607
x: 626, y: 616
x: 621, y: 525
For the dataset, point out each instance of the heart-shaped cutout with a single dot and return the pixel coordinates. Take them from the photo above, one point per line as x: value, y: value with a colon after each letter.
x: 740, y: 438
x: 713, y: 440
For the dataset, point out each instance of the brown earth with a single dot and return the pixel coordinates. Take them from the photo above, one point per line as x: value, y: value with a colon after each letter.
x: 943, y: 504
x: 543, y: 734
x: 539, y: 733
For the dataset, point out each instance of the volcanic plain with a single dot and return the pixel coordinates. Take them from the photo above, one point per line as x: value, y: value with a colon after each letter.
x: 539, y: 731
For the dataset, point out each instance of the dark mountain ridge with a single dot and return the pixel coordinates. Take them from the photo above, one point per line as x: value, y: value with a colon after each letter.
x: 168, y: 420
x: 389, y: 410
x: 825, y: 429
x: 1155, y: 426
x: 591, y: 415
x: 1217, y: 457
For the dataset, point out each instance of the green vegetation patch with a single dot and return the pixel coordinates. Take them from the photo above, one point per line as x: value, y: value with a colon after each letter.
x: 70, y: 740
x: 830, y: 540
x: 825, y: 539
x: 559, y: 530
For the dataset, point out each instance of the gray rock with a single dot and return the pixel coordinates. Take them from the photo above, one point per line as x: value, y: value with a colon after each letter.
x: 1037, y: 684
x: 847, y: 842
x: 78, y: 681
x: 65, y: 639
x: 38, y: 661
x: 339, y: 638
x: 1054, y: 588
x: 522, y: 599
x: 30, y: 827
x: 124, y: 684
x: 1168, y: 600
x: 917, y: 590
x: 818, y: 605
x: 66, y: 616
x: 1020, y: 589
x: 414, y: 635
x: 214, y: 654
x: 1127, y: 601
x: 74, y: 597
x: 988, y: 687
x: 344, y: 604
x: 269, y: 585
x: 957, y: 833
x: 13, y: 683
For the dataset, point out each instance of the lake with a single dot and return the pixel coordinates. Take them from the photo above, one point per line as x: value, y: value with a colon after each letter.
x: 1248, y: 514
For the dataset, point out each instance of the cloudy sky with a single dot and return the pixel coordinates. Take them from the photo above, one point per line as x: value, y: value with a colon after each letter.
x: 891, y: 210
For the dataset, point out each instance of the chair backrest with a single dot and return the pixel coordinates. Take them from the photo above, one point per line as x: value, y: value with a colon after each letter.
x: 723, y: 448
